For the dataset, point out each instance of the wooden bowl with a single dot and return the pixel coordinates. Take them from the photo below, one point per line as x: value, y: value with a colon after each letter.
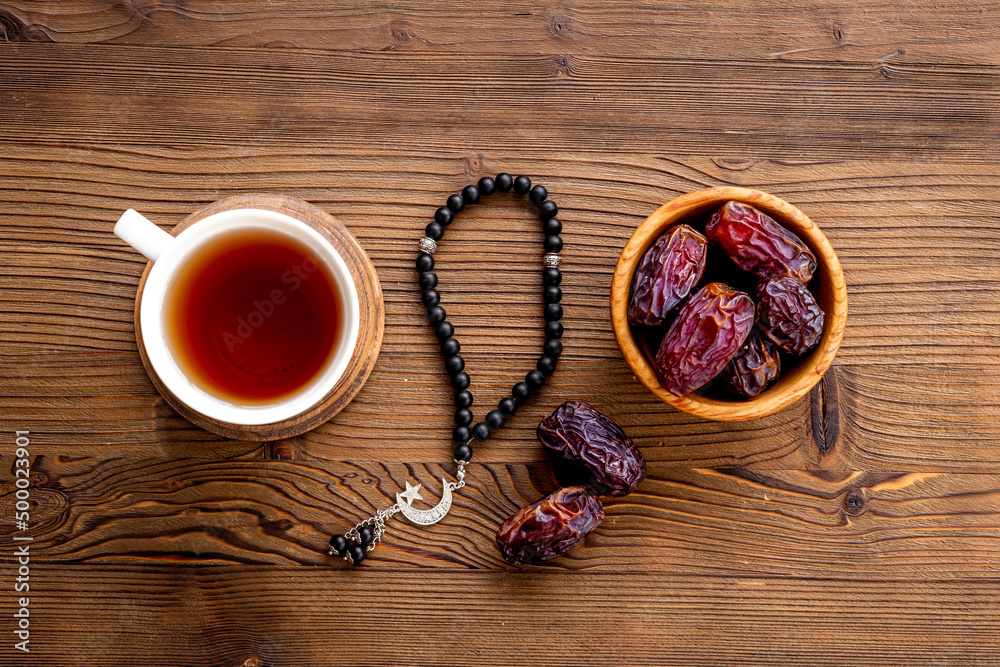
x: 832, y: 297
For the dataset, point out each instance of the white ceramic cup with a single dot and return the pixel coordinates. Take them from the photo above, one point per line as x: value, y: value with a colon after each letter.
x: 169, y: 254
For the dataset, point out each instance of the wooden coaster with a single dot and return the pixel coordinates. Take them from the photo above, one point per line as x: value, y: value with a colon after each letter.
x: 372, y: 320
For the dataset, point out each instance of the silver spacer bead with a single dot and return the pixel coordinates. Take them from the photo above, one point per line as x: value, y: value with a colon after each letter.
x: 552, y: 260
x: 428, y: 245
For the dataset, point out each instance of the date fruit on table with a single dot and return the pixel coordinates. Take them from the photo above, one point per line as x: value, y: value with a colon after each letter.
x: 551, y: 527
x: 580, y: 434
x: 754, y: 367
x: 788, y: 314
x: 668, y: 272
x: 758, y: 244
x: 706, y: 335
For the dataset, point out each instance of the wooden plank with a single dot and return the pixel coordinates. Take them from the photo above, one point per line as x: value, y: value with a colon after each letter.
x: 726, y: 521
x: 833, y: 30
x: 917, y: 377
x: 423, y: 102
x: 78, y: 406
x: 849, y: 529
x: 254, y: 616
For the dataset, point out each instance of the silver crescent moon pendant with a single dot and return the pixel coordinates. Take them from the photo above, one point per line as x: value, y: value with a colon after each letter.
x: 426, y: 517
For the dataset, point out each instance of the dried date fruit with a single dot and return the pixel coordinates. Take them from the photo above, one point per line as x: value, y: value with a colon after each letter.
x: 758, y: 244
x: 706, y: 335
x: 551, y: 527
x: 789, y: 315
x: 666, y: 275
x: 580, y: 434
x: 754, y: 367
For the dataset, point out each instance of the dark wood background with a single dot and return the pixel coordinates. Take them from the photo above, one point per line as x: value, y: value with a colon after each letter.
x: 860, y: 526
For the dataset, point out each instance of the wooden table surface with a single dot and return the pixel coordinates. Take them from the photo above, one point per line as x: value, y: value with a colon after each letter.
x: 860, y: 526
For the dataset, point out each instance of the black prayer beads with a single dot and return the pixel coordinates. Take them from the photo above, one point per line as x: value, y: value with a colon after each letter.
x: 465, y: 433
x: 355, y: 543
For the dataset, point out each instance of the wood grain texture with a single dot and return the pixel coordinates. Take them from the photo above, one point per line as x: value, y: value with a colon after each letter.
x: 919, y: 384
x: 283, y: 617
x: 718, y: 521
x: 637, y: 103
x: 881, y: 33
x: 857, y: 526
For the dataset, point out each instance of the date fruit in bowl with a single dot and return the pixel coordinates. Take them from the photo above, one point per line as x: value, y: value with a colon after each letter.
x: 758, y: 245
x: 789, y: 315
x: 706, y: 335
x: 667, y: 274
x: 755, y: 366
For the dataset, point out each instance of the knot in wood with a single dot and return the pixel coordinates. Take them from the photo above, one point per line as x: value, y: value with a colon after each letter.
x: 854, y: 503
x: 279, y: 450
x: 560, y: 25
x: 11, y: 28
x: 825, y: 413
x: 279, y: 526
x: 400, y: 34
x: 473, y: 164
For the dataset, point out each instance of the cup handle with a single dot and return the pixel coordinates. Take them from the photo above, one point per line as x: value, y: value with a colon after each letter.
x: 142, y: 235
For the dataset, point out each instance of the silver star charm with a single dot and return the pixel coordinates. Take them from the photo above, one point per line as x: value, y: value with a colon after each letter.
x: 412, y: 493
